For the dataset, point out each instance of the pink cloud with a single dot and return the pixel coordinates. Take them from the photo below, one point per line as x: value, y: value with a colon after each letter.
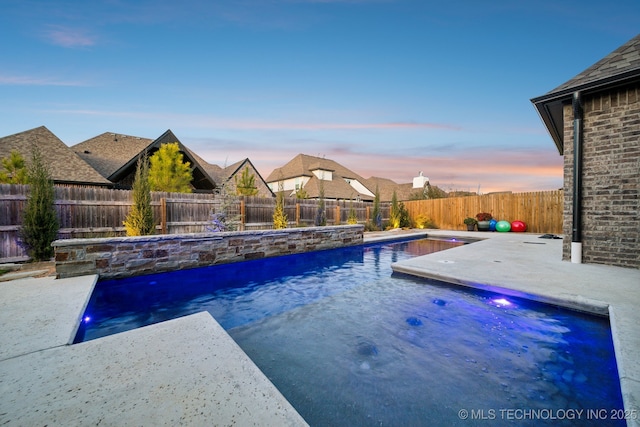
x: 504, y: 171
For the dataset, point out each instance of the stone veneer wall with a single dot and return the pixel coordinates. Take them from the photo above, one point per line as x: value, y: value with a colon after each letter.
x: 131, y: 256
x: 611, y: 178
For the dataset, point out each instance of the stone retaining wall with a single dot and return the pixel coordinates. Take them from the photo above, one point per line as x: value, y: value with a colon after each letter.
x: 131, y: 256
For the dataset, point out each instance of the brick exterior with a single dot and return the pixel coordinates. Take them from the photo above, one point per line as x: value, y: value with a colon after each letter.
x: 611, y: 178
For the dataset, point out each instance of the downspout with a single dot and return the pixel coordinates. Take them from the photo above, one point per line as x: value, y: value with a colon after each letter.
x: 576, y: 235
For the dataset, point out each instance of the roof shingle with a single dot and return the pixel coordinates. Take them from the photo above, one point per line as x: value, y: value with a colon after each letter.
x: 65, y: 166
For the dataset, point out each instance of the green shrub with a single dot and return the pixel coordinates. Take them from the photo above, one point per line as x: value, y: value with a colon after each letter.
x: 139, y: 222
x: 167, y: 172
x: 423, y: 221
x: 40, y: 221
x: 279, y: 216
x: 353, y: 217
x: 403, y: 215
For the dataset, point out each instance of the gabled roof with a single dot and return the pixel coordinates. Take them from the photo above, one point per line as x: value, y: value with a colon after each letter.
x: 303, y: 165
x: 386, y: 187
x: 65, y: 166
x: 237, y: 168
x: 334, y: 189
x: 221, y: 175
x: 109, y: 152
x: 338, y: 188
x: 115, y: 156
x: 620, y: 67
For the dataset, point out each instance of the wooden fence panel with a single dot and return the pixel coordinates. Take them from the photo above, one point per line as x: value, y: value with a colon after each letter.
x: 541, y: 211
x: 100, y: 212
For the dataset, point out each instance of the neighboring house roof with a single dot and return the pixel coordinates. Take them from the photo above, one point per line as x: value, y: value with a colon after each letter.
x: 338, y: 188
x: 334, y: 189
x: 115, y: 156
x: 620, y: 67
x: 386, y: 187
x: 221, y: 175
x: 65, y: 166
x: 303, y: 165
x: 108, y: 152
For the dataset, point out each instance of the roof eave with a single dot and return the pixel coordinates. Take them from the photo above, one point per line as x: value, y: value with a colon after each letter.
x: 550, y: 105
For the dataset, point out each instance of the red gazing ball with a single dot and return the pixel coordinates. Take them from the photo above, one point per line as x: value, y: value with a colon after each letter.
x: 518, y: 226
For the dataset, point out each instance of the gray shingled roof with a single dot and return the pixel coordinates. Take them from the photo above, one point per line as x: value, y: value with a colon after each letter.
x: 625, y: 59
x: 65, y: 166
x: 304, y: 165
x: 620, y: 67
x: 334, y: 189
x: 386, y: 187
x: 338, y: 188
x: 115, y: 155
x: 108, y: 152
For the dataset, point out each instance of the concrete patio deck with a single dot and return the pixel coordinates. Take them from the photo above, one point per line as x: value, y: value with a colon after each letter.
x: 189, y: 371
x: 186, y: 371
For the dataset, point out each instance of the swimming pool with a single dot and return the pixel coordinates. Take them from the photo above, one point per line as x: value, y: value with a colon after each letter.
x: 349, y: 343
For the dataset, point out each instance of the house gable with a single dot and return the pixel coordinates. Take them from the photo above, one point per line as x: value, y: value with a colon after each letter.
x: 600, y: 221
x: 115, y: 156
x: 65, y: 166
x: 304, y: 171
x: 621, y: 67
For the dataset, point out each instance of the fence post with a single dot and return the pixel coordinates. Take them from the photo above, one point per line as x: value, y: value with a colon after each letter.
x: 367, y: 215
x: 337, y: 220
x: 297, y: 214
x: 163, y: 215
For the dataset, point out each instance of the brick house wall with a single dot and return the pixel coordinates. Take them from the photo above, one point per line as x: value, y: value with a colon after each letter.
x: 611, y: 178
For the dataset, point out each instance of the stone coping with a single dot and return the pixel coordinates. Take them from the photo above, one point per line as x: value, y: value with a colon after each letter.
x: 200, y: 236
x: 114, y: 257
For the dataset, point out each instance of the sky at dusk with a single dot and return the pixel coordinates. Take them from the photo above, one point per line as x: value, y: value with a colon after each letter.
x: 387, y: 88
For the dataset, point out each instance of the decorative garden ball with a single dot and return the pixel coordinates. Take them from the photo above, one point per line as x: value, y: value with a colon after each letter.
x: 492, y: 225
x: 518, y: 226
x: 503, y: 226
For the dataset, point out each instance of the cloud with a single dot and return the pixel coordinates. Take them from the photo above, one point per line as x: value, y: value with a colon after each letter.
x: 218, y: 123
x: 68, y: 37
x: 37, y: 81
x: 489, y: 171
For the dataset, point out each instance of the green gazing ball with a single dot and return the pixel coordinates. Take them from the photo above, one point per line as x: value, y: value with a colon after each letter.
x: 503, y: 226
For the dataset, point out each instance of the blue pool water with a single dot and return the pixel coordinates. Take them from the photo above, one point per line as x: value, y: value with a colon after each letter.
x: 349, y: 343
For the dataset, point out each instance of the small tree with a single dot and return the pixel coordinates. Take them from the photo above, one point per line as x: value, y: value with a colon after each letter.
x: 15, y: 169
x: 221, y: 217
x: 403, y: 214
x: 434, y: 192
x: 353, y: 217
x: 301, y: 193
x: 375, y: 223
x: 394, y: 214
x: 279, y: 216
x: 246, y: 185
x: 40, y: 222
x: 168, y: 172
x: 139, y: 222
x: 321, y: 215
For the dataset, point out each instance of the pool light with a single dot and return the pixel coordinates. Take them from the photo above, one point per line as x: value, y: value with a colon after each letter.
x: 500, y: 302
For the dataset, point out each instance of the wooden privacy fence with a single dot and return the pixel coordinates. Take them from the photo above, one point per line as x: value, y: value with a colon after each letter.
x: 541, y: 211
x: 98, y: 212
